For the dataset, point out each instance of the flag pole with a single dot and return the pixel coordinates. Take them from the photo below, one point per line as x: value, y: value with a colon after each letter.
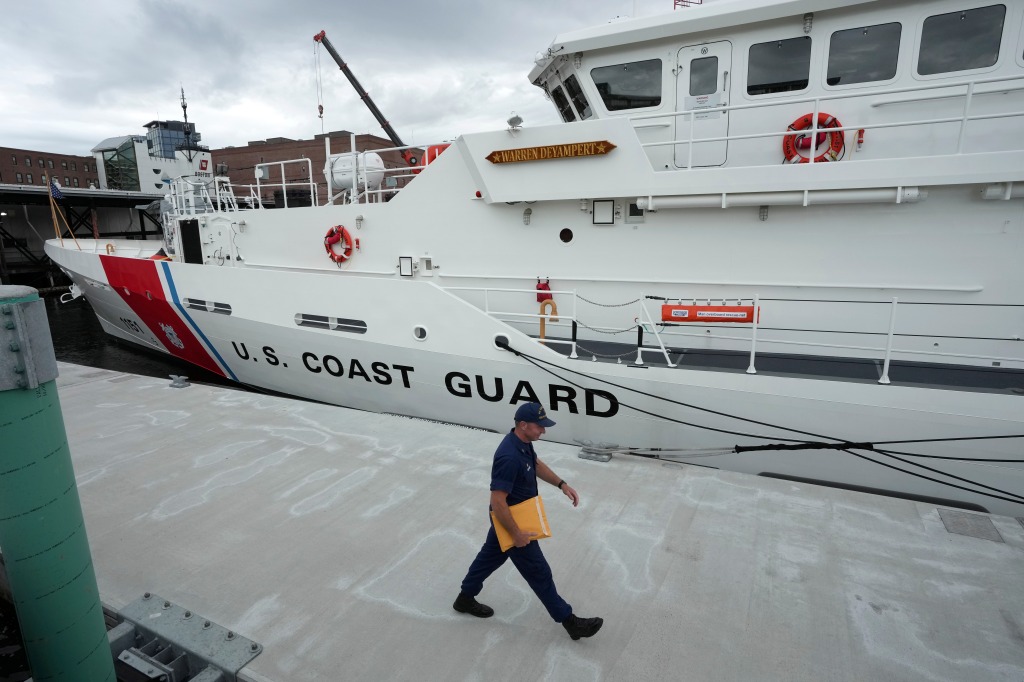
x: 54, y: 195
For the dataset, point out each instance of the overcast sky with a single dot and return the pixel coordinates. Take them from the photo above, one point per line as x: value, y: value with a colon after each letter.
x: 77, y: 72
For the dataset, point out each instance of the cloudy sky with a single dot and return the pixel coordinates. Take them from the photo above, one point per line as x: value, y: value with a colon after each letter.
x: 77, y: 72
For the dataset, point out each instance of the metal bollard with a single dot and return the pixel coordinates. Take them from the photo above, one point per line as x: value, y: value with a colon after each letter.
x: 42, y: 531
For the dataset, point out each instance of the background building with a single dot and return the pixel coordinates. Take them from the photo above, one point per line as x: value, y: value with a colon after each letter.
x: 148, y: 163
x: 32, y: 167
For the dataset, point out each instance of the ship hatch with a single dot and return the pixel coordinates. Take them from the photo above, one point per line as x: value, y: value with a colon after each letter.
x: 190, y: 242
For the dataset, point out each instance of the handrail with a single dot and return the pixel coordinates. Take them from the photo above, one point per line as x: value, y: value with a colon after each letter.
x: 970, y: 92
x: 645, y: 322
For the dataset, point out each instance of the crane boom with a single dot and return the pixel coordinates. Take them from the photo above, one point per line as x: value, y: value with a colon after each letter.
x: 407, y: 154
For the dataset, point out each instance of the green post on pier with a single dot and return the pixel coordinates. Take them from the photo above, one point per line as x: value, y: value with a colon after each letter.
x: 42, y: 530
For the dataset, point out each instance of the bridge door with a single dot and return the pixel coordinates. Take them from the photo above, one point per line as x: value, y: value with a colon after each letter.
x: 702, y: 82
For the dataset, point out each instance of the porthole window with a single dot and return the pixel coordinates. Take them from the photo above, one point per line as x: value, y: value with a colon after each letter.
x: 565, y: 235
x: 419, y: 332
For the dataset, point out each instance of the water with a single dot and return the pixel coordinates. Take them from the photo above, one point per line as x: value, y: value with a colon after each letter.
x: 79, y: 339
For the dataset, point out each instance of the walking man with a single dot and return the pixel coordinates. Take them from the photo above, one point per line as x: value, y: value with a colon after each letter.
x: 514, y: 477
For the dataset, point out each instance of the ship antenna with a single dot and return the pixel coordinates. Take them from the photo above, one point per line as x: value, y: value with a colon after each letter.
x: 187, y: 127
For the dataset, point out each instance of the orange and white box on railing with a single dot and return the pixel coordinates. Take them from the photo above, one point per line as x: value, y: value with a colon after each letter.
x: 707, y: 313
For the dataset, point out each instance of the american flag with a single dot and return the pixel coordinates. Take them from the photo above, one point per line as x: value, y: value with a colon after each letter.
x: 55, y: 190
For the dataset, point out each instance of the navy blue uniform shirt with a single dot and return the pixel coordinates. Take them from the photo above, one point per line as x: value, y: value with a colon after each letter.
x: 515, y: 469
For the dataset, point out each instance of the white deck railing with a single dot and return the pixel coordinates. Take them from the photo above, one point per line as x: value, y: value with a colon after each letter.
x: 664, y: 333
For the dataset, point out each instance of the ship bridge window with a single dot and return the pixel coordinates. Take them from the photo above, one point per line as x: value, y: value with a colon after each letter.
x: 863, y: 55
x: 963, y: 40
x: 779, y: 66
x: 629, y: 86
x: 558, y: 95
x: 579, y: 100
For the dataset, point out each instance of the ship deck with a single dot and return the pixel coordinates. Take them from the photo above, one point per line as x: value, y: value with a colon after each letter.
x: 337, y: 539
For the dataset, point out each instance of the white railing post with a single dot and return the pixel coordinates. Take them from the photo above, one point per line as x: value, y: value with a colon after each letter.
x: 640, y: 323
x: 573, y: 354
x: 963, y: 121
x: 888, y: 343
x: 355, y: 169
x: 753, y: 336
x: 689, y: 158
x: 814, y: 133
x: 329, y: 168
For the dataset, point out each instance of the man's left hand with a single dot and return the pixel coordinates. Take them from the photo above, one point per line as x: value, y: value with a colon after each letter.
x: 571, y: 494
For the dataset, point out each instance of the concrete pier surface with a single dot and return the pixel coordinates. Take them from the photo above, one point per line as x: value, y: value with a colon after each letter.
x: 337, y: 539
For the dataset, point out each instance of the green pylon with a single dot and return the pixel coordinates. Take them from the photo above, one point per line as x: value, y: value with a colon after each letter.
x: 42, y: 530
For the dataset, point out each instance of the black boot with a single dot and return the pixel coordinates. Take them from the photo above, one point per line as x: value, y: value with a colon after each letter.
x: 582, y: 627
x: 466, y: 604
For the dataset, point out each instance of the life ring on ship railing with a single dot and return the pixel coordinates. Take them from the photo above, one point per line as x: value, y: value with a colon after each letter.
x: 791, y: 144
x: 336, y: 234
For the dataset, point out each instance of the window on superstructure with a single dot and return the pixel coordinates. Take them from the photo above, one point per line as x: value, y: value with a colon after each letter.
x: 562, y: 103
x: 703, y: 76
x: 959, y: 41
x: 779, y: 66
x: 579, y: 100
x: 863, y: 55
x: 629, y: 86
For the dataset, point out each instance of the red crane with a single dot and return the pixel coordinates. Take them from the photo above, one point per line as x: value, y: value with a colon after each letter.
x: 407, y: 154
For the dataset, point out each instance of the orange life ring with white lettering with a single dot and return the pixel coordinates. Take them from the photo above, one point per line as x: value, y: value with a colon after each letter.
x: 791, y: 144
x: 335, y: 235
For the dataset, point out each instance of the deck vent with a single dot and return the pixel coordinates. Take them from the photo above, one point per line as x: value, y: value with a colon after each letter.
x: 974, y: 525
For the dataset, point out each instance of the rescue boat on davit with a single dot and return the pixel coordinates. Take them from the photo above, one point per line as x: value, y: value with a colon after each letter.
x: 782, y: 239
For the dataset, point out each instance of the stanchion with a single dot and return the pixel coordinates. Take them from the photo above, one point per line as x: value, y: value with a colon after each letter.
x: 42, y: 531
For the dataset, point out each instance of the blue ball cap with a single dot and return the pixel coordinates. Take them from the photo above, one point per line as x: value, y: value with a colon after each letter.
x: 533, y: 413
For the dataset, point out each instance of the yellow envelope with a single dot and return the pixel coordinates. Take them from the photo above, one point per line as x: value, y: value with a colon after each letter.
x: 529, y: 516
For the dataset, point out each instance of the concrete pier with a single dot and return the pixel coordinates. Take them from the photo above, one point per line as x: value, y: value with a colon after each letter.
x: 337, y: 539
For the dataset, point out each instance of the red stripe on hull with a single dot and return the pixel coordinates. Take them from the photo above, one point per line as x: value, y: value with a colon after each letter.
x: 138, y: 283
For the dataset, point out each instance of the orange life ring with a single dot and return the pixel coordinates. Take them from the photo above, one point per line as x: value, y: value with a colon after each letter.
x: 336, y: 234
x: 791, y: 144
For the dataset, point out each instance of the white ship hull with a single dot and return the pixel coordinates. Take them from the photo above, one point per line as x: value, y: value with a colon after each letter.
x: 886, y: 284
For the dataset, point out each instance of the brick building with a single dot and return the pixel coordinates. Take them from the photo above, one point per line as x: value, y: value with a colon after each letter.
x: 30, y: 167
x: 241, y: 161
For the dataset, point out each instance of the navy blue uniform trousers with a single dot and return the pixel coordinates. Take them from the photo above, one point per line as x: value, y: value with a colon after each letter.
x: 530, y: 563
